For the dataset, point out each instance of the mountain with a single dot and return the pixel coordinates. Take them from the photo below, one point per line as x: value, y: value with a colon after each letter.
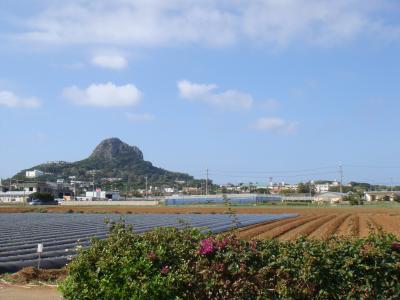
x: 112, y: 158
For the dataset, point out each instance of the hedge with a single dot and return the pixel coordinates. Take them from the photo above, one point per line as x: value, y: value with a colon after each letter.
x: 167, y: 263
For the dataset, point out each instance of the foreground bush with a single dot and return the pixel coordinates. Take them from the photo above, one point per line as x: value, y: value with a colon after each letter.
x: 171, y: 264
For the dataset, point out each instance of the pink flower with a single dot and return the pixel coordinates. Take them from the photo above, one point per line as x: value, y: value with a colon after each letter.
x: 222, y: 244
x: 152, y: 256
x: 395, y: 246
x: 165, y: 270
x: 206, y: 246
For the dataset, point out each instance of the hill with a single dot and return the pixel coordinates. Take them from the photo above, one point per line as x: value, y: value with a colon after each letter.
x: 111, y: 159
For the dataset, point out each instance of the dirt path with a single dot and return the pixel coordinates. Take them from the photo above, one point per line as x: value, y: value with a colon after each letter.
x: 28, y: 292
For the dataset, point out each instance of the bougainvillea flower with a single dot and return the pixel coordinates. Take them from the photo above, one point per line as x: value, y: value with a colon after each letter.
x: 165, y: 270
x: 206, y: 246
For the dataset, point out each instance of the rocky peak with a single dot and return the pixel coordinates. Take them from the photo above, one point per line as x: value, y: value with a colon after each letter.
x: 113, y: 148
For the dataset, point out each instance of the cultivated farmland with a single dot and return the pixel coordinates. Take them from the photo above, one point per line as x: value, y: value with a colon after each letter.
x: 314, y: 222
x: 60, y: 234
x: 322, y: 224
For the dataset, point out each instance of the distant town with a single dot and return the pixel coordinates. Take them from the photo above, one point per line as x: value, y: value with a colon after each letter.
x: 116, y: 189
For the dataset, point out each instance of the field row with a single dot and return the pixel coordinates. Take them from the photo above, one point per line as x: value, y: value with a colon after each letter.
x: 323, y: 226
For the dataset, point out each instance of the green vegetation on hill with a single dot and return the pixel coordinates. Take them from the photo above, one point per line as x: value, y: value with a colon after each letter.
x: 111, y: 159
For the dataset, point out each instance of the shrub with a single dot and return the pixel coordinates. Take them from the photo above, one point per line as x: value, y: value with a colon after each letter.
x: 44, y: 197
x: 354, y: 199
x: 185, y: 264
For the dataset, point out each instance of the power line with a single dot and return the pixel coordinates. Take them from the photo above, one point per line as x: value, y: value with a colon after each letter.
x: 274, y: 172
x: 263, y: 177
x: 372, y: 166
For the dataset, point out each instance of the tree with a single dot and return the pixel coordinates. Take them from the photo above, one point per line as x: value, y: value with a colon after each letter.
x: 354, y: 199
x: 304, y: 188
x: 44, y: 197
x: 262, y: 191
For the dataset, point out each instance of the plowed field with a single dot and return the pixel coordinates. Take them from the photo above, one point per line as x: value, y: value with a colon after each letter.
x: 313, y: 222
x: 320, y: 224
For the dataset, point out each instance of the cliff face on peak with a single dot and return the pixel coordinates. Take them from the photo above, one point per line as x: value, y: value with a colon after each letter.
x: 114, y: 148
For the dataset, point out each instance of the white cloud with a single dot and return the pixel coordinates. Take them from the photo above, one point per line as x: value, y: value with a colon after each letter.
x: 140, y: 117
x: 104, y: 95
x: 210, y: 22
x: 274, y: 124
x: 229, y: 99
x: 116, y: 62
x: 9, y: 99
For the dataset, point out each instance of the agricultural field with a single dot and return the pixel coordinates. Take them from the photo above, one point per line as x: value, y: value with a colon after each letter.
x: 61, y: 234
x: 324, y: 223
x: 314, y: 222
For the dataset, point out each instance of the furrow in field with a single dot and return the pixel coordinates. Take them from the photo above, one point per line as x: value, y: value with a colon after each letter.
x: 324, y: 232
x: 307, y: 228
x: 345, y: 228
x: 356, y: 225
x: 278, y: 231
x: 366, y: 225
x: 255, y: 230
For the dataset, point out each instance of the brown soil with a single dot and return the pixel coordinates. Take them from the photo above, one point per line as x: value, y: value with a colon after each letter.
x: 200, y: 209
x: 30, y: 274
x: 325, y: 222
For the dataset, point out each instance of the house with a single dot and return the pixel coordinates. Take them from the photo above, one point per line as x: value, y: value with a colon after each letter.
x: 102, y: 195
x: 169, y: 190
x: 329, y: 197
x: 324, y: 187
x: 381, y: 196
x: 56, y: 189
x: 33, y: 174
x: 14, y: 196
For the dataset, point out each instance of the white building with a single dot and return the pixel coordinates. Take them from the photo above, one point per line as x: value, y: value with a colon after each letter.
x: 14, y: 196
x: 330, y: 197
x: 324, y: 187
x: 169, y: 190
x: 33, y: 174
x: 321, y: 188
x: 103, y: 195
x: 381, y: 195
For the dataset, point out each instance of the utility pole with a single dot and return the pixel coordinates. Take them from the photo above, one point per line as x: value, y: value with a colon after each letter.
x: 93, y: 188
x: 341, y: 177
x: 146, y: 186
x: 206, y: 181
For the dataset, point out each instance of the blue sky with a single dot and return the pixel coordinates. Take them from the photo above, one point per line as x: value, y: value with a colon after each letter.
x: 249, y: 89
